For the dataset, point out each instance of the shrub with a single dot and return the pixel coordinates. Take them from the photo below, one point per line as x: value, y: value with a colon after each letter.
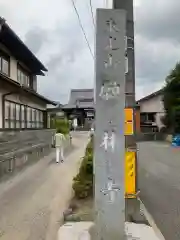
x: 82, y: 189
x: 89, y: 148
x: 83, y: 182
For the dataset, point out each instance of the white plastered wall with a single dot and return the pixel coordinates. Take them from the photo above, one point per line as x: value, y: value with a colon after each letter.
x: 155, y: 105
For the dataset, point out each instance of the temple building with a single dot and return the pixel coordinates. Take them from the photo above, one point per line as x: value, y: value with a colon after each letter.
x: 81, y: 106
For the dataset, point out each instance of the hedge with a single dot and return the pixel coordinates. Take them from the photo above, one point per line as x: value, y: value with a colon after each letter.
x: 83, y: 182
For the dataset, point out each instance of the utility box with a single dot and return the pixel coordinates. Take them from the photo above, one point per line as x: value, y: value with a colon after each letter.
x: 129, y: 121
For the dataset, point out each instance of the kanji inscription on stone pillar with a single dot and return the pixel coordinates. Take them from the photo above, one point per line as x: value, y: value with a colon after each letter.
x: 109, y: 140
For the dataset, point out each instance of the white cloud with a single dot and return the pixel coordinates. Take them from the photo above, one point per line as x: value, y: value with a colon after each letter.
x: 51, y: 29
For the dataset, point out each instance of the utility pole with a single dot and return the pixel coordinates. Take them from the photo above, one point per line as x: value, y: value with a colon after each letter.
x: 127, y: 5
x: 109, y: 140
x: 132, y: 203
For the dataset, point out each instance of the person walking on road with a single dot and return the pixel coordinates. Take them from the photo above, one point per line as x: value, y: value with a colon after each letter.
x: 59, y: 143
x: 75, y: 124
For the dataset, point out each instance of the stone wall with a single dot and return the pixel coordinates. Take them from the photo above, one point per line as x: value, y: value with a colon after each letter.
x: 141, y: 137
x: 154, y: 137
x: 18, y: 148
x: 151, y: 136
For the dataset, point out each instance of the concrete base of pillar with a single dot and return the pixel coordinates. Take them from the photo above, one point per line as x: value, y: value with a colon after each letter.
x: 133, y: 211
x: 86, y: 231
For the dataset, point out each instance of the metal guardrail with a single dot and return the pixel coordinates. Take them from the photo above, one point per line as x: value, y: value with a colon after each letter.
x: 17, y: 148
x: 16, y: 153
x: 10, y: 143
x: 9, y: 161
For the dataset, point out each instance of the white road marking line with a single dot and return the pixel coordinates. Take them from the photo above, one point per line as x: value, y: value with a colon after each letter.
x: 151, y: 221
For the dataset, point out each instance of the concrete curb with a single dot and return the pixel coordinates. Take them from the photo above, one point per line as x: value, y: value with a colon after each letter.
x: 75, y: 231
x: 151, y: 221
x: 81, y: 231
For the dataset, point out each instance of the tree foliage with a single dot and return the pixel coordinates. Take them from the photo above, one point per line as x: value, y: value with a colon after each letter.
x: 171, y: 99
x: 62, y: 125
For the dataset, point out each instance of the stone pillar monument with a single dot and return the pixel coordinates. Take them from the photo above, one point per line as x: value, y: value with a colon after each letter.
x: 109, y: 140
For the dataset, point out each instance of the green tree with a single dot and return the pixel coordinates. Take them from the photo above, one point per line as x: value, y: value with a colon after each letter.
x: 171, y: 99
x: 62, y: 125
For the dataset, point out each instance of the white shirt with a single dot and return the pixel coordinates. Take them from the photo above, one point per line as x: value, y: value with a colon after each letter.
x: 75, y: 122
x: 59, y: 137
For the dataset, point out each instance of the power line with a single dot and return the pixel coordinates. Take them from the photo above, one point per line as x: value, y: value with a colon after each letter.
x: 90, y: 3
x: 82, y: 28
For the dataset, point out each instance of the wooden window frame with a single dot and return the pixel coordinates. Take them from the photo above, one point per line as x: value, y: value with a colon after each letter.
x: 25, y: 73
x: 23, y: 123
x: 6, y: 57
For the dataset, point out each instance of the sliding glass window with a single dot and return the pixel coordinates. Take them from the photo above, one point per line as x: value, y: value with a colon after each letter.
x: 22, y: 116
x: 23, y: 77
x: 4, y: 63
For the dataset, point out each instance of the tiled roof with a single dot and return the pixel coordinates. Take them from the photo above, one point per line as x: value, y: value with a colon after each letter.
x: 10, y: 40
x: 84, y: 98
x: 159, y: 92
x: 26, y: 89
x: 81, y: 98
x: 78, y: 94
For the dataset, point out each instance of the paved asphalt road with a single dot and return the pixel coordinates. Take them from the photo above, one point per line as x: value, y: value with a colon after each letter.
x: 33, y: 201
x: 159, y: 182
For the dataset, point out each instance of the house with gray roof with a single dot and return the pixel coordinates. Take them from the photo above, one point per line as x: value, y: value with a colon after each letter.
x: 24, y: 120
x: 21, y: 106
x: 152, y: 109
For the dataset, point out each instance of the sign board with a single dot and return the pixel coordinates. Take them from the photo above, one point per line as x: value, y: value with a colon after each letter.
x: 90, y: 114
x: 130, y: 174
x: 129, y: 122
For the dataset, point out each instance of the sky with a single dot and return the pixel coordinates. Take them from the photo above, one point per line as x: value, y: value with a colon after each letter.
x: 50, y: 29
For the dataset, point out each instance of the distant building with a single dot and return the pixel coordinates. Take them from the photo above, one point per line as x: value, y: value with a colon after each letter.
x: 152, y: 109
x: 56, y: 111
x: 81, y: 106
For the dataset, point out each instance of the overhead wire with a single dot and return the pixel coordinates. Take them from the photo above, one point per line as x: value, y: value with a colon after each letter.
x: 82, y: 28
x: 93, y: 20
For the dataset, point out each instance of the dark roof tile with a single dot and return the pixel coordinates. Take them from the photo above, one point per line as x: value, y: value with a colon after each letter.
x: 77, y: 94
x: 15, y: 45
